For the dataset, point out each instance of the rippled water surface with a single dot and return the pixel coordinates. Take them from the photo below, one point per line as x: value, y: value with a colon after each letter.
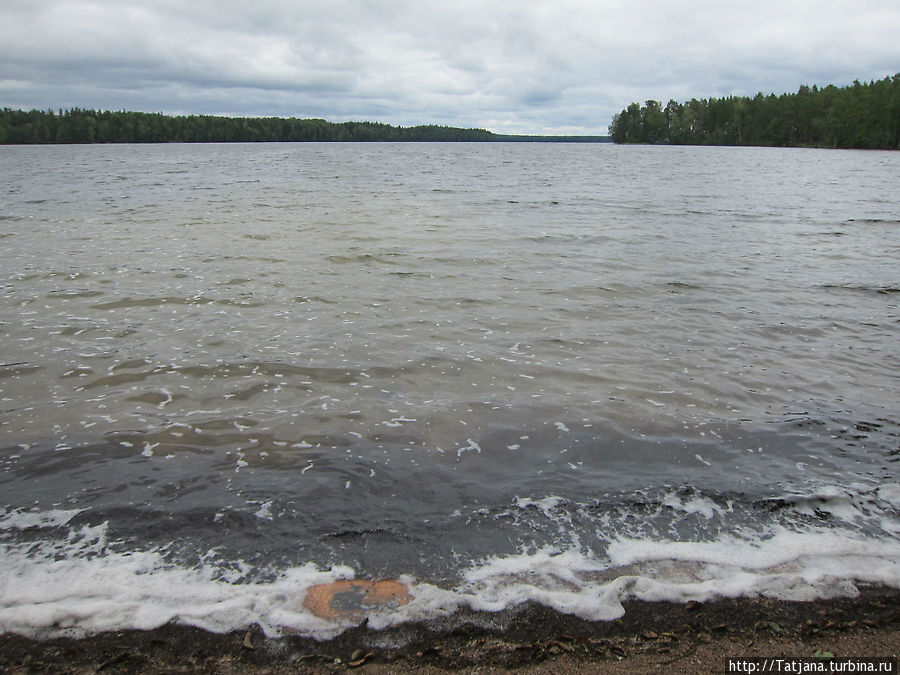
x: 424, y: 359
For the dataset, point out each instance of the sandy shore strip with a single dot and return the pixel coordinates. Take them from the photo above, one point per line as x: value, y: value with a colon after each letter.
x: 651, y: 637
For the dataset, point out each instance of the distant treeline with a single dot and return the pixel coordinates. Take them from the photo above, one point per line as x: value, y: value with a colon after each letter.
x: 551, y: 139
x: 865, y: 116
x: 94, y: 126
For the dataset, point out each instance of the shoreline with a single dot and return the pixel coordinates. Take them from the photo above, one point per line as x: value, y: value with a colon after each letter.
x: 650, y: 637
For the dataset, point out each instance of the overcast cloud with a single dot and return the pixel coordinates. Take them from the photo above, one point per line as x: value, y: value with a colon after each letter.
x: 549, y: 66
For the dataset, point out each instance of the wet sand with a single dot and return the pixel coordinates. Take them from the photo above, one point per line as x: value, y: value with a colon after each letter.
x: 651, y: 637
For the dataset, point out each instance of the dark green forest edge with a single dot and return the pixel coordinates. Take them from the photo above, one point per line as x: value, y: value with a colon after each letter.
x: 94, y: 126
x: 862, y: 116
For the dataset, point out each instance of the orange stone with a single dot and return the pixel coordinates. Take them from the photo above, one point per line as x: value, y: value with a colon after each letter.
x: 351, y: 599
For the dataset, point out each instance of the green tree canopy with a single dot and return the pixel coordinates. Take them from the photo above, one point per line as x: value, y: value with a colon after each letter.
x: 94, y: 126
x: 865, y: 116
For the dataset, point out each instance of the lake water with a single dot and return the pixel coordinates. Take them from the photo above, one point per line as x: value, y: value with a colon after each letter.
x: 573, y: 374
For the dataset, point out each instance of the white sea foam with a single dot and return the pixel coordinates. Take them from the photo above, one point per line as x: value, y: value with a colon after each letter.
x: 787, y: 565
x: 22, y: 520
x: 82, y: 583
x: 693, y: 504
x: 471, y: 447
x: 65, y: 591
x: 545, y: 505
x: 890, y: 492
x: 265, y: 511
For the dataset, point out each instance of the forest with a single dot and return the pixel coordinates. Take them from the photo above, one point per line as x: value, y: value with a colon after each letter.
x: 94, y: 126
x: 862, y: 116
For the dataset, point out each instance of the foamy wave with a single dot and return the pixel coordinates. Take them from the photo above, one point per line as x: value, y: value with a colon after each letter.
x: 115, y: 591
x: 79, y: 582
x: 22, y: 520
x: 140, y: 590
x: 788, y: 565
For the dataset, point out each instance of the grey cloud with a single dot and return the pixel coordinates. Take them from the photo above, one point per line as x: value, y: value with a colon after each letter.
x: 535, y: 67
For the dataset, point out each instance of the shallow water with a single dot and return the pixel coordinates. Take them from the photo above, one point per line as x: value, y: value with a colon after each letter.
x: 569, y: 373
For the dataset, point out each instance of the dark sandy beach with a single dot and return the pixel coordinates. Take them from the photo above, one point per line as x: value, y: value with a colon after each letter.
x: 651, y: 637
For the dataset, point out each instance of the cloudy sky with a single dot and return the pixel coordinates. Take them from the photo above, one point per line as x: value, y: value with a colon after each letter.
x: 512, y: 66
